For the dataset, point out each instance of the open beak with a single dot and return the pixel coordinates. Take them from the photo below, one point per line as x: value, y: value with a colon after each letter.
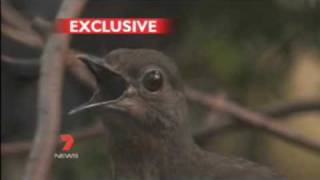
x: 112, y: 86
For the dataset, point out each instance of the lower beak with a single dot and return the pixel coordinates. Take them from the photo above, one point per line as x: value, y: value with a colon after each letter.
x: 111, y: 104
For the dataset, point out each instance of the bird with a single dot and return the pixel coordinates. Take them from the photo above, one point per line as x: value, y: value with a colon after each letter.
x: 141, y: 98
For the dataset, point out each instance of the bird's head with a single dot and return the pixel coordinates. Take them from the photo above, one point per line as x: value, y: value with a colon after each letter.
x: 142, y: 83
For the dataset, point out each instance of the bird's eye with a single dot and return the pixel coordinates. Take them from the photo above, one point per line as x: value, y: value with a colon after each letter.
x: 153, y: 80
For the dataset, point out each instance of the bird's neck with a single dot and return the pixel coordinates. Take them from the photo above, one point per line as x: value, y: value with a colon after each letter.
x: 137, y: 154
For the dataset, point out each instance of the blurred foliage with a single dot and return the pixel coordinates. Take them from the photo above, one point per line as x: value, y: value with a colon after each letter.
x: 230, y: 42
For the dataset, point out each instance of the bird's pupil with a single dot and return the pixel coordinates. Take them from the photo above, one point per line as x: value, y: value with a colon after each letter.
x: 153, y: 80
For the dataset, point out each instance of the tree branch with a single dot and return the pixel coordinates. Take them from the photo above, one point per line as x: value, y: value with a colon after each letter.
x: 253, y: 119
x: 28, y: 38
x: 49, y: 102
x: 23, y: 147
x: 280, y: 111
x: 14, y: 17
x: 19, y: 62
x: 286, y: 109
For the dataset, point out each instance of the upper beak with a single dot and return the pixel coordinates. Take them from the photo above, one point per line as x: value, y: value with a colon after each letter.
x: 112, y: 86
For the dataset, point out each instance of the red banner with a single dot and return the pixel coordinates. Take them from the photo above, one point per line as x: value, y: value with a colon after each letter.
x: 114, y: 25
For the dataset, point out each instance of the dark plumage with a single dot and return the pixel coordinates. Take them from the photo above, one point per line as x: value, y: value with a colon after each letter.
x: 145, y: 113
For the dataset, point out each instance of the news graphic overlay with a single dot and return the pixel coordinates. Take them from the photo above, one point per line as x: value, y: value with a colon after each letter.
x: 67, y: 142
x: 114, y: 26
x: 68, y: 139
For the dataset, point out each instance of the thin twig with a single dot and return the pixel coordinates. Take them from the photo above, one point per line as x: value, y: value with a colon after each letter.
x: 14, y: 18
x: 19, y: 62
x: 18, y: 27
x: 15, y: 148
x: 49, y: 102
x: 23, y: 147
x: 42, y: 26
x: 286, y: 109
x: 280, y: 111
x: 30, y: 39
x: 254, y: 119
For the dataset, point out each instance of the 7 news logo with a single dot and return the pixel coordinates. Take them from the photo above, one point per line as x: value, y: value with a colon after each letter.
x: 68, y: 141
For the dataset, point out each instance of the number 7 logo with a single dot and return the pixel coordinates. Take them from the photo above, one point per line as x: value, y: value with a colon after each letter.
x: 68, y: 139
